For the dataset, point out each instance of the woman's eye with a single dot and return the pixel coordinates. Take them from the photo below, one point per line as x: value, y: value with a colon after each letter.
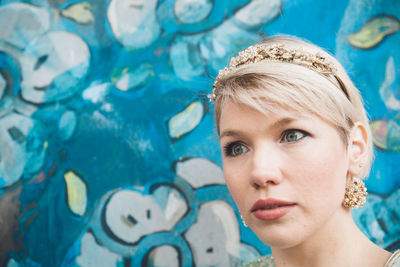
x: 291, y: 136
x: 235, y: 149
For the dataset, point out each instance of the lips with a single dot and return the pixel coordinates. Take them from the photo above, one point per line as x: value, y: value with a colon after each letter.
x: 271, y: 209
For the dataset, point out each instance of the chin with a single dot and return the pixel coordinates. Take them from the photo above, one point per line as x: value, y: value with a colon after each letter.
x: 279, y: 238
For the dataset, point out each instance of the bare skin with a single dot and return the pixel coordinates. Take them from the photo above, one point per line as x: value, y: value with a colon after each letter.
x: 302, y: 160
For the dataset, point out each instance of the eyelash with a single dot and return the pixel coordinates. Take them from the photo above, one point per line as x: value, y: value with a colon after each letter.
x: 228, y: 148
x: 285, y: 134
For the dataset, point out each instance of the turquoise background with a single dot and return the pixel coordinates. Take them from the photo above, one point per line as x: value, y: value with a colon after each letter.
x: 108, y: 152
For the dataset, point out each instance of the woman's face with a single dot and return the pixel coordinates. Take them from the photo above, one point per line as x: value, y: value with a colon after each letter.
x: 287, y: 174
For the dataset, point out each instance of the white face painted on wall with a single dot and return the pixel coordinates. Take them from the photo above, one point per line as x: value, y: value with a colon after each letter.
x: 287, y: 174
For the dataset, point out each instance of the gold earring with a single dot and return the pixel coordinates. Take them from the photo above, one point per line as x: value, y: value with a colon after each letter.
x: 244, y: 222
x: 355, y: 194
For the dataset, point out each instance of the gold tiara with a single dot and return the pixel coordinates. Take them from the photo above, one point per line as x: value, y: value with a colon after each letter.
x: 262, y: 52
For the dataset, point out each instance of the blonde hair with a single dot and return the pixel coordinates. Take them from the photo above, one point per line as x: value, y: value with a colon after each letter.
x: 284, y: 87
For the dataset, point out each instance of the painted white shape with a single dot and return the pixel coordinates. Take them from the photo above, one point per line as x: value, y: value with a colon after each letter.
x: 214, y: 238
x: 225, y: 41
x: 135, y: 78
x: 107, y: 107
x: 163, y: 256
x: 60, y: 53
x: 259, y: 12
x: 13, y: 156
x: 192, y: 11
x: 377, y: 233
x: 199, y: 172
x: 134, y: 22
x: 175, y: 208
x: 186, y: 120
x: 94, y: 255
x: 22, y: 22
x: 123, y: 82
x: 186, y: 59
x: 67, y: 124
x: 96, y: 92
x: 130, y: 215
x: 386, y: 90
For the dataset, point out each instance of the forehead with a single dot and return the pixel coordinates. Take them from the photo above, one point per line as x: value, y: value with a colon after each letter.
x: 269, y: 102
x: 230, y: 109
x: 236, y: 115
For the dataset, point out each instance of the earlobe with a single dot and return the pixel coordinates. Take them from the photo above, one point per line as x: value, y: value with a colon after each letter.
x: 357, y: 148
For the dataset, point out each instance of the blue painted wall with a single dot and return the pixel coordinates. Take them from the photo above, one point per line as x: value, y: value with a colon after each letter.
x: 108, y: 152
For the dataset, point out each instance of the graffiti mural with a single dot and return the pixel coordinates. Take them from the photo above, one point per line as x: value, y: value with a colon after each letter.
x: 108, y: 152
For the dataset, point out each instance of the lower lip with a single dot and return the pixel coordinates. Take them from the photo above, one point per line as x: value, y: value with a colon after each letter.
x: 272, y: 214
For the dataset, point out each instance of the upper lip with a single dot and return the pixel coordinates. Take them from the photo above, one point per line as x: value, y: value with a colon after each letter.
x: 270, y: 203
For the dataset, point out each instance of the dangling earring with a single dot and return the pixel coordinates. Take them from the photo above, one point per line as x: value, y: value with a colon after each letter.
x: 244, y: 222
x: 355, y: 194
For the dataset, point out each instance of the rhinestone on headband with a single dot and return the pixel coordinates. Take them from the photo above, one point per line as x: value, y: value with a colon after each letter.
x: 263, y: 52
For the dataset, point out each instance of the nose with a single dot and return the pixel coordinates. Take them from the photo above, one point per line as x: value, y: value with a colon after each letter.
x: 266, y: 167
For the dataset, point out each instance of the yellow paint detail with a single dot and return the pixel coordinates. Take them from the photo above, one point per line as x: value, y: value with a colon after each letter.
x: 81, y: 13
x: 374, y: 31
x: 76, y: 193
x: 186, y: 120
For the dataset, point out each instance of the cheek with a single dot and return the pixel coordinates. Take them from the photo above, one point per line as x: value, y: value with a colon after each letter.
x: 236, y: 183
x: 322, y: 179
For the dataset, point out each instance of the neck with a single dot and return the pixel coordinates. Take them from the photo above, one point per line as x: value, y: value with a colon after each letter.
x: 338, y: 243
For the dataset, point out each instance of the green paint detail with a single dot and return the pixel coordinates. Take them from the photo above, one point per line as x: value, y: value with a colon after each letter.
x: 379, y: 133
x: 386, y: 134
x: 127, y: 78
x: 373, y: 32
x: 116, y: 73
x: 393, y: 136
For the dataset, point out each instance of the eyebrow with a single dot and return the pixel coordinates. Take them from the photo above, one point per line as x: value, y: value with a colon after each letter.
x: 239, y: 133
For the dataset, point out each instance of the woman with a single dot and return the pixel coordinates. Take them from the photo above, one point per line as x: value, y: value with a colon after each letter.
x: 296, y: 144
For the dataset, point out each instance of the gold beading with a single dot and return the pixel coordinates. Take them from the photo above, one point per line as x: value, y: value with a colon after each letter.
x: 278, y: 52
x: 355, y: 194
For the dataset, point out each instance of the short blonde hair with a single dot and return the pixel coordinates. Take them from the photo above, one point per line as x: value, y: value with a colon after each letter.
x: 278, y: 87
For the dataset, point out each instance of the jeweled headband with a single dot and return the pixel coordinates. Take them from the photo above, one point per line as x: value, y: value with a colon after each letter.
x: 263, y: 52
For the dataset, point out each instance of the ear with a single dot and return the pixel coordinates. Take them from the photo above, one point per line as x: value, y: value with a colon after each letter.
x: 357, y: 148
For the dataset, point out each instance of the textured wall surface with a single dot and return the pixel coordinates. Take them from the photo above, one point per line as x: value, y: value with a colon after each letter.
x: 108, y: 153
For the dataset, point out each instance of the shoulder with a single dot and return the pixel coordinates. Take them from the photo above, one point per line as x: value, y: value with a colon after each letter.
x: 266, y: 261
x: 394, y: 260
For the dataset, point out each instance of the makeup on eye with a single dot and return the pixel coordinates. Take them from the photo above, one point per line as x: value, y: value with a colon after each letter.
x: 234, y: 149
x: 293, y: 135
x: 237, y: 148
